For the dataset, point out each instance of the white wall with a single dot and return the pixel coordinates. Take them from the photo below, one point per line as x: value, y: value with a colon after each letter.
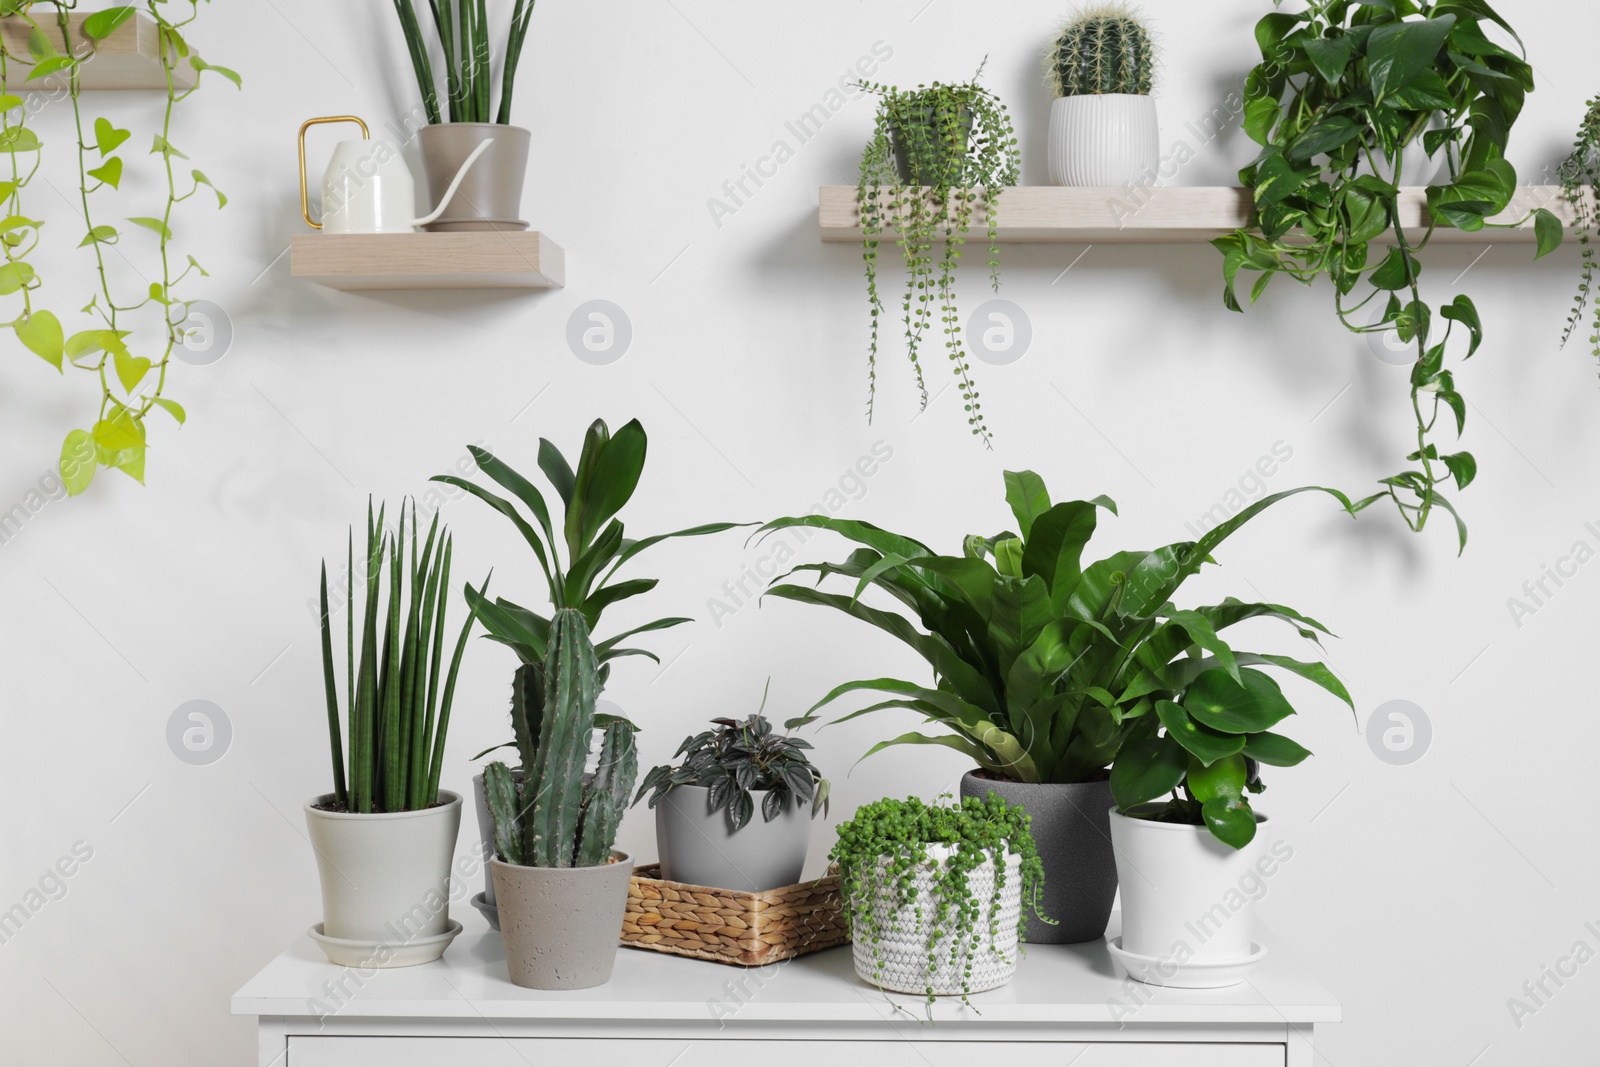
x: 1423, y: 896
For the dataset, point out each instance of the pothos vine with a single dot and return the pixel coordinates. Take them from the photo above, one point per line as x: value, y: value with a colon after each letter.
x: 131, y: 385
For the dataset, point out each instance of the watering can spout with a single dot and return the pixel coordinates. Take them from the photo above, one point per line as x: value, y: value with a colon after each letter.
x: 455, y: 183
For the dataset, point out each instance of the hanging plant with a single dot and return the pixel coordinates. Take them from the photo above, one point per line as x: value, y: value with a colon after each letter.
x: 1343, y: 90
x: 131, y: 385
x: 1580, y: 184
x: 936, y: 156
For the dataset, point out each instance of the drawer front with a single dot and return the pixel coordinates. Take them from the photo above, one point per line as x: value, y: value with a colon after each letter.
x: 521, y: 1052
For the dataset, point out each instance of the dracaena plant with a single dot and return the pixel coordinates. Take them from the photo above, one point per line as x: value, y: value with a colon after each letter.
x: 1044, y: 668
x: 937, y: 156
x: 1342, y: 89
x: 397, y: 701
x: 738, y: 759
x: 581, y: 557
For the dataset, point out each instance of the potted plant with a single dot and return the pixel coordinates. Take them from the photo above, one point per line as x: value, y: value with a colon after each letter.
x: 1341, y: 93
x: 561, y: 886
x: 579, y: 553
x: 490, y: 195
x: 1103, y: 125
x: 385, y: 835
x: 934, y: 893
x: 1043, y: 668
x: 1185, y: 920
x: 705, y: 806
x: 937, y: 154
x: 1580, y: 180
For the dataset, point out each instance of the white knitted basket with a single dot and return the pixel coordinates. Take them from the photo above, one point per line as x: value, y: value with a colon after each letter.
x: 899, y: 959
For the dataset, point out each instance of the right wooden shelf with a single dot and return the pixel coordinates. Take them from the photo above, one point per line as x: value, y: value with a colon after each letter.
x: 1037, y: 214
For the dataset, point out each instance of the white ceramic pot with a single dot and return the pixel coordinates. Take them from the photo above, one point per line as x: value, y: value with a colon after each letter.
x: 1187, y: 898
x: 386, y: 877
x: 1110, y: 139
x: 901, y: 962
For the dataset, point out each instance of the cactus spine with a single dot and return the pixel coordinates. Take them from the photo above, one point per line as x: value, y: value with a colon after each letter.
x: 1103, y: 50
x: 553, y: 817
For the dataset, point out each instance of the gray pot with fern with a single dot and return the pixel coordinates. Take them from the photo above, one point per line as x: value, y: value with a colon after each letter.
x: 490, y: 196
x: 560, y: 885
x: 1103, y: 125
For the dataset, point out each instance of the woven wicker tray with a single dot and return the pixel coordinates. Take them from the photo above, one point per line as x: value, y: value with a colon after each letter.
x: 745, y: 929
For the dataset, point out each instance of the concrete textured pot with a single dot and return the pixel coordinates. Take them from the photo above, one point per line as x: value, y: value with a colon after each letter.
x: 1072, y: 834
x: 562, y: 925
x: 385, y: 877
x: 699, y: 847
x: 490, y: 196
x: 1109, y: 139
x: 1185, y: 896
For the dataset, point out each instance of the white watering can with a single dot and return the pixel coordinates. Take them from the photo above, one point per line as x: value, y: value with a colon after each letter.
x: 367, y: 187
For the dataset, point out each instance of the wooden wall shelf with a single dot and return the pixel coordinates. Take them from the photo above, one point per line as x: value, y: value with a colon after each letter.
x: 128, y: 59
x: 493, y: 260
x: 1168, y: 215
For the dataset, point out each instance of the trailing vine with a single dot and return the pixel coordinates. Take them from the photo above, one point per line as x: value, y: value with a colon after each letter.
x: 936, y: 155
x: 1580, y: 183
x: 881, y: 850
x: 1342, y: 91
x: 131, y: 385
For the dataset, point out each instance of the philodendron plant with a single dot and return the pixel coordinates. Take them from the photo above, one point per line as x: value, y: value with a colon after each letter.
x: 1343, y: 88
x: 553, y: 815
x: 1045, y: 669
x: 398, y: 712
x: 591, y: 495
x: 738, y: 759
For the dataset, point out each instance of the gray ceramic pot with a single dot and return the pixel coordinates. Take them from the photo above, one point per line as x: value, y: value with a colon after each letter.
x: 490, y: 196
x: 1072, y: 830
x: 562, y: 925
x: 699, y: 847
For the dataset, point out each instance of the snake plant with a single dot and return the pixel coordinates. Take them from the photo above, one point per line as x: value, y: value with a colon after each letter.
x: 397, y: 711
x: 462, y: 29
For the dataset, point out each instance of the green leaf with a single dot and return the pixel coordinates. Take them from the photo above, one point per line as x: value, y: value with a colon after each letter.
x: 39, y: 44
x: 1392, y: 273
x: 131, y: 369
x: 107, y: 136
x: 1548, y: 230
x: 1028, y: 497
x: 9, y: 101
x: 1146, y: 770
x: 1275, y: 750
x: 1260, y: 116
x: 13, y: 276
x: 1331, y: 55
x: 1477, y: 9
x: 109, y: 172
x: 1464, y: 311
x: 118, y: 433
x: 155, y: 225
x: 1217, y: 701
x: 77, y: 462
x: 18, y: 139
x: 1463, y: 468
x: 200, y: 179
x: 1224, y: 778
x: 42, y: 334
x: 46, y: 67
x: 102, y: 234
x: 86, y: 341
x: 199, y: 64
x: 1203, y: 743
x: 171, y: 407
x: 1273, y: 28
x: 1230, y: 820
x: 1399, y: 51
x: 1427, y: 92
x: 103, y: 24
x: 161, y: 145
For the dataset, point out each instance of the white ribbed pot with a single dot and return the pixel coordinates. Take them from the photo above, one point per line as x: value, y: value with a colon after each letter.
x: 899, y: 959
x: 386, y: 876
x: 1109, y: 139
x: 1184, y: 895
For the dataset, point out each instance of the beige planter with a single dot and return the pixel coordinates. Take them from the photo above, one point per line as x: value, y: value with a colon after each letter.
x: 561, y: 925
x: 386, y: 877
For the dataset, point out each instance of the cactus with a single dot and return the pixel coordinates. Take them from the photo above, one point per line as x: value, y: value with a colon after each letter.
x: 556, y: 817
x: 1101, y: 50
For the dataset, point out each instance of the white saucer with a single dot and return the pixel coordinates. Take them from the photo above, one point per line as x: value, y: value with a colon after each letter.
x: 1189, y: 975
x: 368, y: 954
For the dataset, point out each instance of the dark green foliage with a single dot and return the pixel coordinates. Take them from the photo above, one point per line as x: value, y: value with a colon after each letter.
x: 462, y: 30
x: 1104, y: 49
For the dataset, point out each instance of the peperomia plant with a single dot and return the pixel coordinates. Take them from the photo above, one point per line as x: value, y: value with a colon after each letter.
x: 886, y: 843
x: 1044, y: 669
x: 738, y: 759
x: 1580, y: 184
x: 131, y: 386
x: 937, y: 155
x: 1343, y: 88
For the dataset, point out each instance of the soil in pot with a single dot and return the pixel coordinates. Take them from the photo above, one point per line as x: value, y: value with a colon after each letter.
x: 1071, y: 830
x: 699, y: 846
x: 562, y: 925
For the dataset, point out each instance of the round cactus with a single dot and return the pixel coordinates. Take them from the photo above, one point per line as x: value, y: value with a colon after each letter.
x: 1104, y: 49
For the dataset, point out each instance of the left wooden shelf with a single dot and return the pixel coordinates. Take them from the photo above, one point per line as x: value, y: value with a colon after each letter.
x: 128, y: 59
x: 479, y: 260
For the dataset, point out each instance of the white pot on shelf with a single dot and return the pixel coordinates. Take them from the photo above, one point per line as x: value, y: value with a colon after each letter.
x: 901, y: 961
x: 1110, y: 139
x: 1188, y: 902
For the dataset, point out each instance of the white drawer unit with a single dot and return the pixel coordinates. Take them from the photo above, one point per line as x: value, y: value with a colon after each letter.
x: 1066, y: 1008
